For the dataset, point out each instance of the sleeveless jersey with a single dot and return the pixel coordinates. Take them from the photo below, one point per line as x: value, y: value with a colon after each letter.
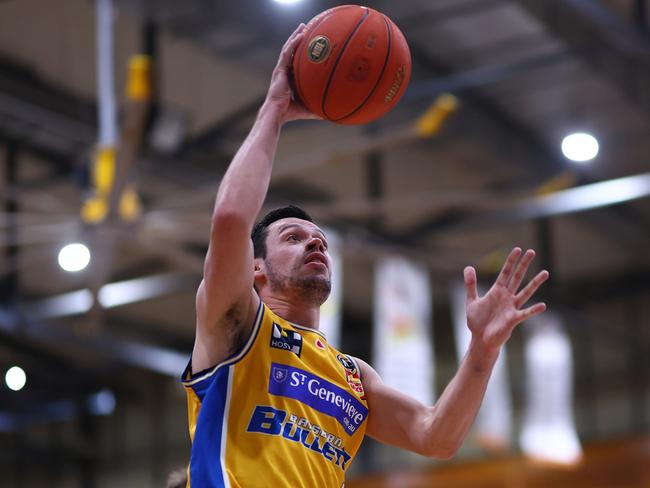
x: 287, y: 410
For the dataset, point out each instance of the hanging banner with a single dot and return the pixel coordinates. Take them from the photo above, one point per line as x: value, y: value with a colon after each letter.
x: 402, y: 352
x: 493, y: 424
x: 548, y: 433
x: 330, y: 311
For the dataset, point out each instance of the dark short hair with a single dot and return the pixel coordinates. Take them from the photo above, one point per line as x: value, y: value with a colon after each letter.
x: 260, y: 231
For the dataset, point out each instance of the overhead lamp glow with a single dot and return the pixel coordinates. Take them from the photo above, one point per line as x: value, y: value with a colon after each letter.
x: 74, y: 257
x: 102, y: 402
x: 287, y: 1
x: 580, y: 147
x: 15, y: 378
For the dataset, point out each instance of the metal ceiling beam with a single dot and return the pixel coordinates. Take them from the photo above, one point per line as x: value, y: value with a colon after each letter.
x: 219, y: 129
x: 604, y: 40
x: 110, y: 295
x: 544, y: 161
x: 476, y: 78
x: 27, y: 96
x: 157, y: 359
x: 426, y: 17
x: 578, y: 199
x: 42, y: 119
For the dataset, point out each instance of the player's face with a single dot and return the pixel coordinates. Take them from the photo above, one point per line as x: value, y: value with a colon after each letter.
x: 297, y: 257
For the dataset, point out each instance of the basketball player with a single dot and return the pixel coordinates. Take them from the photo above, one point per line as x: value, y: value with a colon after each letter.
x: 271, y: 403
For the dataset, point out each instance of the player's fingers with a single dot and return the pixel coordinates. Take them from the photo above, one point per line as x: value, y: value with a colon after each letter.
x: 290, y: 45
x: 294, y: 34
x: 506, y: 271
x: 524, y: 295
x: 520, y: 270
x: 469, y: 277
x: 529, y: 312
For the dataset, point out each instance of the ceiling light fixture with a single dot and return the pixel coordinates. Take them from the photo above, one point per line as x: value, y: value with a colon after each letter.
x: 580, y: 147
x: 15, y: 378
x: 74, y: 257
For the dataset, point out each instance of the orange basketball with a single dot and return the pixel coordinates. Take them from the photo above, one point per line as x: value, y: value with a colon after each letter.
x: 352, y: 66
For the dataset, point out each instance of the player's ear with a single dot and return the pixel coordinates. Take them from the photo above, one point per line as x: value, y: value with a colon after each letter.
x: 259, y: 271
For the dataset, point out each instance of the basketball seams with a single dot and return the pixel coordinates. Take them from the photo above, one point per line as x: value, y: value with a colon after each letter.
x: 381, y: 74
x: 341, y: 52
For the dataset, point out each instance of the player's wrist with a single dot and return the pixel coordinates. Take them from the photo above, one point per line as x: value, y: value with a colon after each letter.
x: 482, y: 355
x: 272, y: 109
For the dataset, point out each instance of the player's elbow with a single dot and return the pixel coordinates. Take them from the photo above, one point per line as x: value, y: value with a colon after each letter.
x: 443, y: 451
x: 229, y: 219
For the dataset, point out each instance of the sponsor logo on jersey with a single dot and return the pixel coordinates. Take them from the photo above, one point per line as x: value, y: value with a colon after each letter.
x: 288, y: 340
x: 352, y: 375
x: 271, y: 421
x: 319, y: 394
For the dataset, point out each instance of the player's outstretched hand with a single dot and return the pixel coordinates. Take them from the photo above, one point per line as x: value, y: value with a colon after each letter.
x: 280, y: 91
x: 492, y: 317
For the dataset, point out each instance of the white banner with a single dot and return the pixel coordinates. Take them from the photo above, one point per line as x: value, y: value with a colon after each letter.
x: 330, y: 311
x: 493, y: 424
x: 548, y: 432
x: 402, y: 352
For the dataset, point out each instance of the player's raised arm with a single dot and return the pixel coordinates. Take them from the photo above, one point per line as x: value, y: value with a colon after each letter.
x: 438, y: 431
x: 225, y: 299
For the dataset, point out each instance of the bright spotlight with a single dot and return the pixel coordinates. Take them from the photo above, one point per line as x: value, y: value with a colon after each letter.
x: 580, y: 147
x: 15, y: 378
x: 287, y: 1
x: 74, y: 257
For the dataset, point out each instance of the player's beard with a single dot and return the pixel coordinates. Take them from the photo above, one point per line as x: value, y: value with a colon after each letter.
x: 309, y: 289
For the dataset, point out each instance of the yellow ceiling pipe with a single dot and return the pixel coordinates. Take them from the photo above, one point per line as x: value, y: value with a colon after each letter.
x: 430, y: 123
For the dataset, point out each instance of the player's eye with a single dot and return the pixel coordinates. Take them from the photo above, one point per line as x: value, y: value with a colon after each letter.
x: 292, y: 237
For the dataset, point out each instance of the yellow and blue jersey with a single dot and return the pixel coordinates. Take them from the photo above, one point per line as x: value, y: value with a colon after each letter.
x: 287, y: 410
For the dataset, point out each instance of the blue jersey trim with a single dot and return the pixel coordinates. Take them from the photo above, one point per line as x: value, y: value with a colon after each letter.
x: 210, y: 438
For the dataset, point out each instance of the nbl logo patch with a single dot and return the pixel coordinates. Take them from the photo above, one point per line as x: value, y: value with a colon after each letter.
x: 352, y: 375
x: 285, y: 339
x: 347, y: 363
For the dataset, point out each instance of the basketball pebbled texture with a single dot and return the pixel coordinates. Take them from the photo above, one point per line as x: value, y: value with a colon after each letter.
x: 352, y: 66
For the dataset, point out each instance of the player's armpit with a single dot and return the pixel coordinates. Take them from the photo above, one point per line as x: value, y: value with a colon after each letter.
x: 216, y: 342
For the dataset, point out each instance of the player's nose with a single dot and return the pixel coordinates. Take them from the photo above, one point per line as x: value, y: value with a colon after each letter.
x: 316, y: 244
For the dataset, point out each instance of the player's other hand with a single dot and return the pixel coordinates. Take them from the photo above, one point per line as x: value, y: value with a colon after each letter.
x: 492, y: 317
x: 280, y: 92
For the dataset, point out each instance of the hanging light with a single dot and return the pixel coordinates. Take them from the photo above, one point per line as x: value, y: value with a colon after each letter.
x: 15, y: 378
x: 580, y: 147
x: 74, y: 257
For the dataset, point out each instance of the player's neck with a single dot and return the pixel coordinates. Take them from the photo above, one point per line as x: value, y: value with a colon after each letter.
x: 307, y: 315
